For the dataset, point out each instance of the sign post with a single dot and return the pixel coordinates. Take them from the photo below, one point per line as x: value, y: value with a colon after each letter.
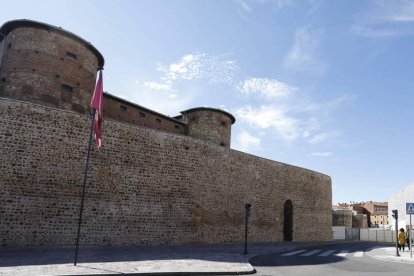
x: 409, y: 210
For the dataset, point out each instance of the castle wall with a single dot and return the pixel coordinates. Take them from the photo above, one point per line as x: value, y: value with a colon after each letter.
x: 43, y: 66
x: 209, y: 124
x: 125, y: 111
x: 144, y: 187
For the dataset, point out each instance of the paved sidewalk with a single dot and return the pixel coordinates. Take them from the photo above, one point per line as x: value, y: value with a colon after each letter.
x: 388, y: 253
x: 219, y: 259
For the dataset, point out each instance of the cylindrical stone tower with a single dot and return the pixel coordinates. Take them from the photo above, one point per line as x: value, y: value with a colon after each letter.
x: 209, y: 124
x: 45, y: 64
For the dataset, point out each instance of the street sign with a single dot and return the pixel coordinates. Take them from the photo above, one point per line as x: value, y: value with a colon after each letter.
x: 409, y: 208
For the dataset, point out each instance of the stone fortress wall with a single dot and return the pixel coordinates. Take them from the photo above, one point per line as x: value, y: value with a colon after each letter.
x: 150, y: 184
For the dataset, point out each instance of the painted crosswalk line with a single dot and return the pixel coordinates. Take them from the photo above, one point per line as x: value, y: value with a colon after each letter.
x: 310, y: 253
x: 293, y: 253
x: 359, y: 254
x: 326, y: 253
x: 343, y: 253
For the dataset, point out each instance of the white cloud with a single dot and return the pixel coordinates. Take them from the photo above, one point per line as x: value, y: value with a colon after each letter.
x: 321, y: 154
x: 264, y: 87
x: 303, y: 53
x: 215, y: 69
x: 175, y: 79
x: 386, y: 19
x: 270, y: 117
x: 158, y: 86
x: 246, y: 8
x: 246, y: 142
x: 318, y: 138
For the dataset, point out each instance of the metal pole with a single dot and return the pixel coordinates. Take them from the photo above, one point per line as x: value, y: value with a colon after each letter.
x: 84, y: 186
x: 396, y: 236
x: 409, y: 240
x: 245, y: 234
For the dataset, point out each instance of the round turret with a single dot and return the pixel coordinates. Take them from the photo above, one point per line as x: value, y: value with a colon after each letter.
x: 209, y: 124
x: 45, y: 64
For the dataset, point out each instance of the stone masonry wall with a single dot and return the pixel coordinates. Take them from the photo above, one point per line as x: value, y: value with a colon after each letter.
x: 46, y: 67
x: 209, y: 125
x: 144, y: 187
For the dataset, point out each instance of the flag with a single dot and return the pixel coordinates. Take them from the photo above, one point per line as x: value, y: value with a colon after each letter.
x: 97, y: 104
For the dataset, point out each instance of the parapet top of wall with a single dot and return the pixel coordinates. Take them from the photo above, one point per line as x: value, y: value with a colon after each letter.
x: 196, y: 109
x: 9, y: 26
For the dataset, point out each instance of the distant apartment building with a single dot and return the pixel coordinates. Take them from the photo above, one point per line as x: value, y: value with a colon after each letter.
x: 378, y: 213
x: 360, y: 215
x: 398, y: 202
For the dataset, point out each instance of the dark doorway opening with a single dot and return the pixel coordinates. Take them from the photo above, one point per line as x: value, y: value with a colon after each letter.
x: 288, y: 221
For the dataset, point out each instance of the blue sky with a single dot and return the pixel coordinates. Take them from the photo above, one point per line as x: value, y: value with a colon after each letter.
x: 321, y: 84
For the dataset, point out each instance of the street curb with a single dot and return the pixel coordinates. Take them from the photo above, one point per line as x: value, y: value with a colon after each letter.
x: 174, y: 273
x: 398, y: 260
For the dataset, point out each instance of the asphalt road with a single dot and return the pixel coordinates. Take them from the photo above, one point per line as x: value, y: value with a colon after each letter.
x: 341, y: 259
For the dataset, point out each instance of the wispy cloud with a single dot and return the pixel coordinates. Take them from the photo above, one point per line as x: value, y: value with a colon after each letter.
x: 246, y: 7
x: 247, y: 142
x: 267, y: 105
x: 215, y: 69
x: 264, y: 87
x: 386, y: 19
x: 321, y: 154
x: 323, y: 136
x: 169, y: 92
x: 271, y: 117
x: 158, y: 86
x: 303, y: 55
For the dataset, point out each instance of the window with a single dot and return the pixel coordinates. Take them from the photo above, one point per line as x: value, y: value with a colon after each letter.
x: 177, y: 126
x: 66, y: 95
x: 9, y: 46
x: 3, y: 79
x: 67, y: 88
x: 142, y: 114
x: 223, y: 123
x: 71, y: 55
x: 123, y: 108
x: 158, y: 120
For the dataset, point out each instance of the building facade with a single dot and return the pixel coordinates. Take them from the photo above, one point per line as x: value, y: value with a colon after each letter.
x: 398, y: 202
x: 158, y: 180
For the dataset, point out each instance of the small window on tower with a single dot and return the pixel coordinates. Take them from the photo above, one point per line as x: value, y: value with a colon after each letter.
x: 177, y: 126
x: 158, y: 120
x: 71, y: 55
x: 142, y: 114
x: 67, y: 88
x: 123, y: 108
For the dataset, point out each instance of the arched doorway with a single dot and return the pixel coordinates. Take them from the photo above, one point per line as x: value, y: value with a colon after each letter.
x: 288, y: 220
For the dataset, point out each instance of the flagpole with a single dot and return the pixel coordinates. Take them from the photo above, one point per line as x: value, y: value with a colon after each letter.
x: 84, y: 185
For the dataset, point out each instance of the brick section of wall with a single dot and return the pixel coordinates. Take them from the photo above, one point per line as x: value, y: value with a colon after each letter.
x: 46, y: 67
x: 127, y: 112
x: 144, y: 186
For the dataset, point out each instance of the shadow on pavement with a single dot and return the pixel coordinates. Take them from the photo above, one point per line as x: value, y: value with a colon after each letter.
x: 47, y: 255
x: 277, y: 260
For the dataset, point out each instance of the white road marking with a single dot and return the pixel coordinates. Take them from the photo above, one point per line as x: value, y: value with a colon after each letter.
x: 293, y: 253
x: 359, y: 254
x: 326, y: 253
x: 310, y: 253
x: 343, y: 253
